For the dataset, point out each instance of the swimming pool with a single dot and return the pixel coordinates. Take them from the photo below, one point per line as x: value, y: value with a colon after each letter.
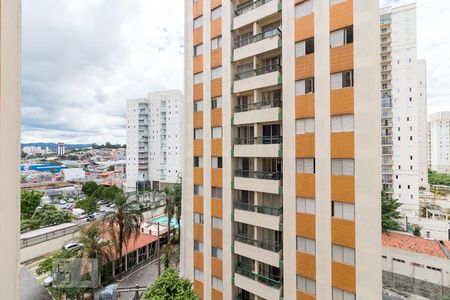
x: 164, y: 220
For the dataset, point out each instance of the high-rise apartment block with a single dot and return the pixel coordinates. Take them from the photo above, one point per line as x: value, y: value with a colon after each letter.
x: 403, y: 108
x: 153, y: 140
x: 282, y: 181
x: 10, y: 83
x: 439, y: 142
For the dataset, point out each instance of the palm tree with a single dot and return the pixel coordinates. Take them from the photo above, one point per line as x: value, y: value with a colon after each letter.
x: 169, y: 251
x: 127, y: 216
x: 169, y: 208
x: 177, y: 204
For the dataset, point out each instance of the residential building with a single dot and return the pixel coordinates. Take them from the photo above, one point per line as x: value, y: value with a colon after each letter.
x: 282, y: 156
x: 60, y: 149
x: 10, y: 106
x: 403, y: 108
x: 439, y: 142
x: 153, y: 139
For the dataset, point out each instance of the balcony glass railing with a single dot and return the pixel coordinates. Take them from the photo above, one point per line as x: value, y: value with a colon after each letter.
x: 267, y: 245
x: 257, y: 37
x: 258, y: 71
x: 258, y: 105
x: 271, y: 280
x: 260, y: 209
x: 259, y: 174
x: 258, y: 140
x: 248, y: 6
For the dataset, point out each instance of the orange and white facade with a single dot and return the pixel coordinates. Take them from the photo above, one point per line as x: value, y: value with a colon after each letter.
x: 282, y: 172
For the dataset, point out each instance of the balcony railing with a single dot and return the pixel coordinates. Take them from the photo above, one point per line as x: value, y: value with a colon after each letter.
x: 260, y: 209
x: 267, y: 245
x: 248, y: 6
x: 259, y: 174
x: 258, y: 71
x: 258, y: 105
x: 258, y: 140
x: 257, y: 37
x: 246, y: 270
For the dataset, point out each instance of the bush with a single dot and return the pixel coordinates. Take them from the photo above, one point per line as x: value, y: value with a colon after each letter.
x: 170, y: 286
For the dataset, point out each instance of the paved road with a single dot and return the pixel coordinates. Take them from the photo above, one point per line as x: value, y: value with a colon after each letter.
x: 144, y: 277
x: 30, y: 288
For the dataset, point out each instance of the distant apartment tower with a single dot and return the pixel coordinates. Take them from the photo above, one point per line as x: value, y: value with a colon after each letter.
x: 154, y: 140
x: 281, y: 193
x: 439, y: 142
x: 403, y: 108
x: 60, y: 149
x: 10, y: 106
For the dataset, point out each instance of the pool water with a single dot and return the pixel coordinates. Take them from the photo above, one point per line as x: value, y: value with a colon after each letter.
x: 164, y: 220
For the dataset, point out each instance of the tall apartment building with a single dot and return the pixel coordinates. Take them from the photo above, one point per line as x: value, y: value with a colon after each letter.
x: 282, y: 151
x: 154, y: 140
x: 10, y: 76
x: 60, y: 149
x: 403, y: 108
x: 439, y: 142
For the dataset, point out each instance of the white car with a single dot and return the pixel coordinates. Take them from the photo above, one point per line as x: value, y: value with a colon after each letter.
x: 47, y: 281
x: 62, y: 202
x: 73, y: 246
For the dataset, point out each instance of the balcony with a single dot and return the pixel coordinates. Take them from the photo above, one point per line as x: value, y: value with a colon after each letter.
x: 257, y: 44
x: 386, y: 141
x: 253, y: 11
x: 258, y: 215
x: 269, y: 288
x: 259, y: 112
x: 263, y: 146
x: 386, y: 59
x: 385, y: 31
x: 268, y: 252
x: 258, y: 181
x: 386, y: 87
x: 257, y: 78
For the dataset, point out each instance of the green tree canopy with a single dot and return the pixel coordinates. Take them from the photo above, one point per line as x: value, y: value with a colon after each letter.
x: 29, y: 201
x: 389, y: 213
x: 49, y: 215
x: 89, y: 188
x: 435, y: 178
x: 89, y: 205
x: 170, y: 286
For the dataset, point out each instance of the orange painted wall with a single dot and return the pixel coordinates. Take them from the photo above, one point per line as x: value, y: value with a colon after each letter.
x: 198, y: 232
x: 197, y: 38
x: 303, y: 296
x: 216, y: 87
x: 306, y: 265
x: 305, y: 145
x: 216, y: 58
x: 304, y: 27
x: 198, y: 147
x: 197, y: 8
x: 216, y: 117
x: 198, y: 176
x: 216, y: 267
x: 198, y: 119
x: 341, y: 15
x: 216, y: 177
x: 306, y: 225
x: 341, y: 58
x: 305, y: 185
x: 342, y: 101
x: 343, y: 188
x: 216, y: 238
x: 304, y: 67
x: 343, y: 232
x: 198, y: 204
x: 216, y: 294
x: 215, y: 3
x: 216, y: 28
x: 198, y: 91
x: 343, y: 277
x: 216, y: 147
x: 304, y: 106
x: 342, y: 145
x: 216, y: 208
x: 198, y: 288
x: 198, y: 260
x: 197, y: 64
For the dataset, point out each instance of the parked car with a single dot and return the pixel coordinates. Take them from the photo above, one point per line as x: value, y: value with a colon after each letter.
x: 73, y: 246
x: 48, y: 281
x: 91, y: 217
x: 71, y: 200
x: 112, y: 205
x: 69, y: 206
x: 62, y: 202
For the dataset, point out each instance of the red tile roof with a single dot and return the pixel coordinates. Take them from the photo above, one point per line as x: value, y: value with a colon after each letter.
x: 413, y: 244
x: 134, y: 243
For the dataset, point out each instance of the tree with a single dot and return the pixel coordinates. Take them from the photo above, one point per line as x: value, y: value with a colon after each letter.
x: 416, y: 230
x: 49, y: 215
x: 169, y: 208
x: 89, y: 204
x: 89, y: 188
x: 177, y: 202
x: 127, y: 217
x: 29, y: 201
x: 170, y: 250
x: 435, y: 178
x: 389, y: 213
x: 170, y: 286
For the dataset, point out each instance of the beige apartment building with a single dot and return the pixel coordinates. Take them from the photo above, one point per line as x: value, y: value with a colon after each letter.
x: 10, y: 73
x: 282, y: 174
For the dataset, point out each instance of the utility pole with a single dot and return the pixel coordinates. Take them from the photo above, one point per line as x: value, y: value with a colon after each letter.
x: 159, y: 254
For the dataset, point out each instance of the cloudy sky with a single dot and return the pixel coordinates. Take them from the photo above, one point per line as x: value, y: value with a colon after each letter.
x: 82, y: 59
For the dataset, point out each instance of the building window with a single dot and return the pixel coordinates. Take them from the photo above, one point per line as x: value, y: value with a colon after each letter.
x: 198, y: 190
x: 216, y: 253
x: 216, y: 132
x: 216, y: 13
x: 198, y: 134
x: 198, y: 22
x: 216, y: 43
x: 343, y: 123
x: 339, y: 294
x: 198, y: 246
x: 216, y: 223
x: 198, y: 106
x: 305, y: 205
x: 216, y: 102
x: 198, y: 50
x: 343, y: 254
x: 342, y: 167
x: 342, y: 210
x: 216, y: 73
x: 341, y: 37
x: 198, y: 78
x: 306, y: 285
x: 303, y: 126
x: 304, y: 47
x: 216, y: 283
x: 198, y: 162
x: 216, y: 162
x: 303, y: 9
x: 306, y: 245
x: 198, y: 274
x: 303, y: 87
x: 216, y: 192
x: 305, y: 165
x: 198, y: 218
x: 342, y: 80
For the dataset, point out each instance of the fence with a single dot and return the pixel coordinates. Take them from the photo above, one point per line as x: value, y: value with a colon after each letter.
x: 27, y: 242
